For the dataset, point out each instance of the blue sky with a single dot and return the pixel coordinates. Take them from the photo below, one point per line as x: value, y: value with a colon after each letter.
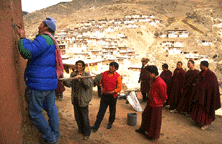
x: 32, y: 5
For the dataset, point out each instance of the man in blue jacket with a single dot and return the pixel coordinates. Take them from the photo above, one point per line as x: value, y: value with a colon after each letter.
x: 41, y: 79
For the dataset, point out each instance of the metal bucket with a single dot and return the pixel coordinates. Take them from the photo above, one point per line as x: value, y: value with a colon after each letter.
x: 131, y: 119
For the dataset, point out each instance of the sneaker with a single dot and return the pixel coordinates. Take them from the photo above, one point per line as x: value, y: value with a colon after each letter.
x: 85, y: 137
x: 204, y: 127
x: 109, y: 126
x: 173, y: 111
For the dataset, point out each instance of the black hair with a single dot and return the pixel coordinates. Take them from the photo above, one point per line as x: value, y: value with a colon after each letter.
x: 180, y: 62
x: 115, y: 64
x: 204, y: 63
x: 165, y: 66
x: 82, y: 62
x: 49, y: 30
x: 191, y: 61
x: 153, y: 69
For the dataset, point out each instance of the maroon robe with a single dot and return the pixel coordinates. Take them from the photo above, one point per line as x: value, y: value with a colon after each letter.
x: 206, y: 99
x: 144, y: 78
x: 185, y: 104
x: 152, y: 114
x: 176, y: 87
x: 167, y: 77
x: 60, y: 87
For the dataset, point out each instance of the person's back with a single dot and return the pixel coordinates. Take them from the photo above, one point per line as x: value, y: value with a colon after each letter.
x: 40, y: 73
x: 41, y: 78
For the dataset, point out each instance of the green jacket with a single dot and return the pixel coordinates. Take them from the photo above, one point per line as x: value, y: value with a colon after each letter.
x: 96, y: 81
x: 82, y: 89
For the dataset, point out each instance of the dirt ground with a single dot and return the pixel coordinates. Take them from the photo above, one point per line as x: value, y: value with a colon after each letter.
x: 176, y: 128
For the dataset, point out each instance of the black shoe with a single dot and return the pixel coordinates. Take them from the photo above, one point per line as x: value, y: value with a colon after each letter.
x: 149, y: 138
x: 93, y: 128
x: 85, y: 137
x: 43, y: 141
x: 140, y: 131
x: 109, y: 126
x: 80, y: 131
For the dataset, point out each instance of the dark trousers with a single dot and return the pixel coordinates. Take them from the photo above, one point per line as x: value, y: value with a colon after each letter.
x: 99, y: 91
x: 82, y: 119
x: 144, y: 94
x: 106, y: 100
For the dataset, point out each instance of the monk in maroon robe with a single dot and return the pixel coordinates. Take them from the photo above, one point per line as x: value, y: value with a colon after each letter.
x: 176, y: 86
x: 60, y: 89
x: 166, y: 75
x: 206, y: 98
x: 152, y: 114
x: 185, y: 104
x: 144, y: 79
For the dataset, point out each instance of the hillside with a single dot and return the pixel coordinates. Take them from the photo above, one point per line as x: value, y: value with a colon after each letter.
x: 62, y: 12
x: 201, y: 18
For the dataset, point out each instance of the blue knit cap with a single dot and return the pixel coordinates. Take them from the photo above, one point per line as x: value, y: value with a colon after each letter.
x: 51, y: 23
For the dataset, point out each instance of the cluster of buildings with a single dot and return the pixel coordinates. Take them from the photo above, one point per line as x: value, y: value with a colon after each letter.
x: 89, y: 43
x: 173, y: 46
x: 175, y: 34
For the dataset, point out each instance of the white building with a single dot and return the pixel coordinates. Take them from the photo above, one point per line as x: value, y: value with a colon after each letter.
x: 163, y: 35
x: 128, y: 17
x: 145, y: 16
x: 152, y: 16
x: 184, y: 35
x: 206, y: 43
x: 153, y: 23
x: 172, y: 35
x: 178, y: 44
x: 132, y: 26
x: 167, y: 43
x: 135, y: 16
x: 174, y: 50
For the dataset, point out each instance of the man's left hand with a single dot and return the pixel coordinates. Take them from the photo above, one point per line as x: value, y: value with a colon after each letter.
x: 21, y: 33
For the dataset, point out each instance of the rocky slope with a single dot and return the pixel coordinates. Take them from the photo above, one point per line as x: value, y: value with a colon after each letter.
x: 201, y: 18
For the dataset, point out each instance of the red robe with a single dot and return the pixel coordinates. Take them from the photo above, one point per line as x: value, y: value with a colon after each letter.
x: 152, y: 114
x: 176, y: 88
x: 144, y: 78
x: 206, y: 98
x: 167, y: 77
x: 60, y: 87
x: 185, y: 104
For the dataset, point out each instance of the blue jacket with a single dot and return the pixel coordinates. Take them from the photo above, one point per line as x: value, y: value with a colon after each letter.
x: 40, y: 72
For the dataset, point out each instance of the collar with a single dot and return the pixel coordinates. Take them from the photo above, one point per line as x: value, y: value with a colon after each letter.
x: 111, y: 73
x: 204, y: 72
x: 79, y: 73
x: 145, y: 65
x: 45, y: 33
